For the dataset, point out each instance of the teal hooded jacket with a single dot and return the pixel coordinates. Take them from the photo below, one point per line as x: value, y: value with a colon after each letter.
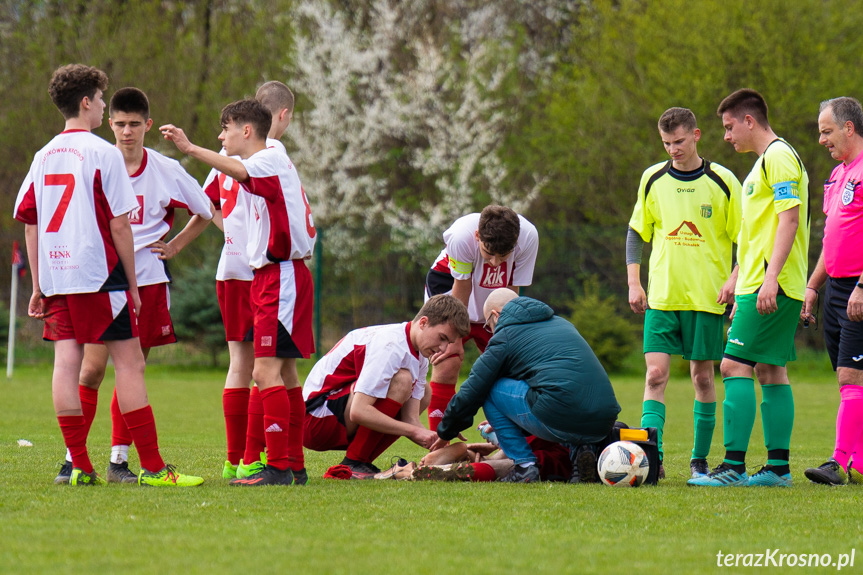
x: 569, y: 389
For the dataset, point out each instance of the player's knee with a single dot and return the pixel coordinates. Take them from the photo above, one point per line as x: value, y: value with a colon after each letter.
x: 401, y: 386
x: 656, y: 377
x: 702, y: 381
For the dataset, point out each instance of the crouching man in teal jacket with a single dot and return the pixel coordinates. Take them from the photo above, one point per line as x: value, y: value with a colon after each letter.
x: 536, y: 377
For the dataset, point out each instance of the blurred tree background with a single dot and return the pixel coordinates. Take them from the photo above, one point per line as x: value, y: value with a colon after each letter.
x: 410, y: 114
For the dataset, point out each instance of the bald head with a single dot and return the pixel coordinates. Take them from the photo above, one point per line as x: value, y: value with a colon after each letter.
x: 497, y: 299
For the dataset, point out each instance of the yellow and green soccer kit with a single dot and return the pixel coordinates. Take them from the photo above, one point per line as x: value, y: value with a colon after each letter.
x: 778, y: 182
x: 692, y: 219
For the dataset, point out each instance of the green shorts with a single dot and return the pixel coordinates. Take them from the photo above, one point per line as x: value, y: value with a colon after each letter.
x: 764, y: 338
x: 696, y: 335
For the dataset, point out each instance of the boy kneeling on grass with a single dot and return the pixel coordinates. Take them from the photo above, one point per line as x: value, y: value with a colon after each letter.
x: 370, y: 389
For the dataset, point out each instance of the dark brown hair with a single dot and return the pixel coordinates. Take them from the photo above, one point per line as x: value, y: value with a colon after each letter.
x: 72, y: 83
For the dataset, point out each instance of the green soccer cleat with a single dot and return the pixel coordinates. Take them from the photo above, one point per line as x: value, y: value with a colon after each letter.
x: 168, y: 477
x: 828, y: 473
x: 854, y: 476
x: 766, y: 477
x: 78, y: 477
x: 229, y: 471
x: 244, y: 471
x: 722, y: 476
x: 120, y: 473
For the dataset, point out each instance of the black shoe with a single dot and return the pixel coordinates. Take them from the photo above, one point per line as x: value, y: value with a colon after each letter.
x: 301, y: 477
x: 583, y: 465
x: 65, y: 473
x: 519, y: 474
x: 360, y: 469
x: 268, y: 476
x: 120, y: 473
x: 828, y: 473
x: 698, y: 467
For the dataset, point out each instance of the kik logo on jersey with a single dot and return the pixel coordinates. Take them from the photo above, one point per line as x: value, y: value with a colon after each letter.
x: 493, y: 278
x: 136, y: 216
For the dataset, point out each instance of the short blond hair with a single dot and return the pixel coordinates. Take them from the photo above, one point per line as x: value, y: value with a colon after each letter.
x: 444, y: 308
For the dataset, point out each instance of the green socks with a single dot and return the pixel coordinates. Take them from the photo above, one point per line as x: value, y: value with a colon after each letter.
x: 738, y: 415
x: 704, y: 417
x: 653, y: 415
x: 777, y: 417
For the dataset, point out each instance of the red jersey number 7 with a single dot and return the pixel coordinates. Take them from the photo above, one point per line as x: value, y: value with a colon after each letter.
x: 67, y: 180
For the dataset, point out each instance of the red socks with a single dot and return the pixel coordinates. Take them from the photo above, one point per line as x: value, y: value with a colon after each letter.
x: 89, y: 401
x: 142, y: 427
x: 483, y: 472
x: 296, y: 423
x: 367, y: 445
x: 74, y: 429
x: 235, y: 405
x: 255, y: 442
x: 441, y: 395
x: 277, y: 415
x: 120, y: 434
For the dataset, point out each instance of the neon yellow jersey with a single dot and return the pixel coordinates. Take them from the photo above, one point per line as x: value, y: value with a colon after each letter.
x: 777, y: 182
x: 692, y: 219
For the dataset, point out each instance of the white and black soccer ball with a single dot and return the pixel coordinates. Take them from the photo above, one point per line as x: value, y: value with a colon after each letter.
x: 623, y: 464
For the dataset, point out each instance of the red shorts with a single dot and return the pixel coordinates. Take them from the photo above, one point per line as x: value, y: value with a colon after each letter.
x: 236, y: 308
x: 282, y: 301
x: 324, y: 428
x: 89, y: 317
x: 154, y: 325
x: 478, y: 335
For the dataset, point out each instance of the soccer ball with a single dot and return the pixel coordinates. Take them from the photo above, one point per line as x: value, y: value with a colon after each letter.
x: 623, y: 464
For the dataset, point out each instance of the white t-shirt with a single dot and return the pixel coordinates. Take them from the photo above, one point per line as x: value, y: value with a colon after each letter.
x: 280, y: 219
x: 367, y: 359
x: 224, y: 192
x: 462, y: 259
x: 161, y: 185
x: 76, y: 185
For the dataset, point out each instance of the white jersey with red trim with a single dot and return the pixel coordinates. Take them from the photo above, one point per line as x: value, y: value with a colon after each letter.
x: 224, y: 192
x: 161, y: 185
x: 462, y: 259
x: 367, y: 359
x: 76, y: 185
x: 280, y: 219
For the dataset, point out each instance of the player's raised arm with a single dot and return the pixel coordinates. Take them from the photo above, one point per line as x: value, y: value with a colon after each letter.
x: 228, y: 166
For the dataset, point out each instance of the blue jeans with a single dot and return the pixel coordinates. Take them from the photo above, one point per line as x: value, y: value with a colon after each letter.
x: 507, y: 411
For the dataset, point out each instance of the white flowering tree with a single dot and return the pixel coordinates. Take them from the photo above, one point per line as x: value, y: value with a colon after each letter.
x: 402, y: 118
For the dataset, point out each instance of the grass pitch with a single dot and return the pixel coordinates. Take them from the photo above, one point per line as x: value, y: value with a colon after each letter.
x: 400, y: 527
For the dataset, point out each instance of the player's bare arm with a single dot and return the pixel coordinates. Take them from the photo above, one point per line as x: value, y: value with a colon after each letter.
x: 35, y: 308
x: 726, y: 293
x: 229, y: 166
x: 461, y: 290
x: 785, y: 232
x: 810, y: 298
x: 363, y: 412
x: 192, y: 230
x: 121, y: 233
x: 637, y: 295
x: 855, y: 303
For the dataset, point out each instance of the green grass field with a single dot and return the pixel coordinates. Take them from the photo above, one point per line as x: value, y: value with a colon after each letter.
x: 398, y: 527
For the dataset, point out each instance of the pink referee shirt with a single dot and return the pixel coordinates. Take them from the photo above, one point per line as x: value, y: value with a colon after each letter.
x: 843, y: 232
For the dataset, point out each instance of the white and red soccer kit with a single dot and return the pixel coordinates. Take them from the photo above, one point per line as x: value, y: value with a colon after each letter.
x: 161, y: 186
x: 364, y: 361
x: 281, y: 236
x: 76, y: 185
x: 462, y: 259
